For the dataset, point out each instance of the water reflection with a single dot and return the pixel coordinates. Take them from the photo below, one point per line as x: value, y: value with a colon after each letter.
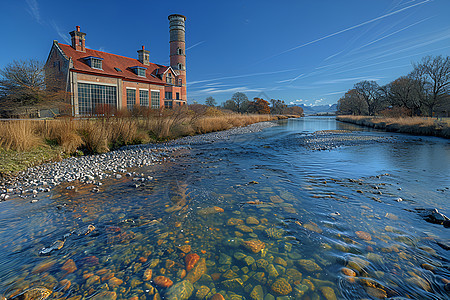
x: 257, y: 217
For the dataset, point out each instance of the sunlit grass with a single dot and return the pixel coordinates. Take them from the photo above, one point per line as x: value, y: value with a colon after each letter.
x: 27, y: 142
x: 413, y: 125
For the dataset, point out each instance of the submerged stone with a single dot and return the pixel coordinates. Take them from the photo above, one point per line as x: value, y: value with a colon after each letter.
x: 197, y: 272
x: 281, y: 287
x: 235, y: 222
x: 69, y: 266
x: 191, y: 259
x: 328, y: 293
x: 309, y: 265
x: 162, y: 281
x: 201, y: 293
x: 180, y: 291
x: 224, y: 259
x: 363, y: 235
x: 36, y: 293
x: 254, y: 246
x: 233, y: 284
x: 257, y: 293
x: 252, y: 221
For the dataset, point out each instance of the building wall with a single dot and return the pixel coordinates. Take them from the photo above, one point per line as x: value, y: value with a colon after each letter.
x: 121, y: 88
x: 145, y: 86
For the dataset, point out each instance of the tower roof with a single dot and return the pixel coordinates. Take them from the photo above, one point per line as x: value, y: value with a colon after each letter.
x: 177, y: 15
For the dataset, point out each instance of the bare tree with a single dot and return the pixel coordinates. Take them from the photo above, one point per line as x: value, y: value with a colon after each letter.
x: 352, y: 103
x: 434, y: 73
x: 23, y: 87
x: 406, y: 92
x: 278, y: 107
x: 210, y: 101
x: 370, y: 91
x: 241, y: 101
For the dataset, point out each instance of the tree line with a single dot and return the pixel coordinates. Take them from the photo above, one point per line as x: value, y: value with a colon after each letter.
x: 240, y: 103
x: 423, y: 92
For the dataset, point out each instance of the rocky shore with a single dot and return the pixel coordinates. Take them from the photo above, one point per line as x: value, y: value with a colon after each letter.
x: 93, y: 169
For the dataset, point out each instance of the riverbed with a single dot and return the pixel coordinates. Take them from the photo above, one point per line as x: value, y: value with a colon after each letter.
x: 309, y: 208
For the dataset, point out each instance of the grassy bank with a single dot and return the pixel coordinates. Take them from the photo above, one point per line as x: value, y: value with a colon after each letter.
x: 411, y: 125
x: 24, y: 143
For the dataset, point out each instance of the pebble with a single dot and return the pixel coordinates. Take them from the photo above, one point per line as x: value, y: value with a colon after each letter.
x: 87, y: 169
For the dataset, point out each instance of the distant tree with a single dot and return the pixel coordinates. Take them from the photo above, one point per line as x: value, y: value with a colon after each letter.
x: 405, y: 92
x: 210, y: 101
x: 278, y: 107
x: 293, y: 110
x: 370, y: 92
x: 241, y: 101
x: 259, y: 106
x: 230, y: 104
x: 434, y: 73
x: 352, y: 103
x: 23, y: 87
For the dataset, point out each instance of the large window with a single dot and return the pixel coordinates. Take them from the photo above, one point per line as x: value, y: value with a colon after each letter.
x: 96, y: 99
x: 131, y: 99
x: 155, y: 99
x: 143, y: 98
x: 168, y: 104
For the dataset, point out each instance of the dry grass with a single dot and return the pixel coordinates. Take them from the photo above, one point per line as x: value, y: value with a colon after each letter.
x: 102, y: 135
x: 413, y: 125
x: 18, y: 135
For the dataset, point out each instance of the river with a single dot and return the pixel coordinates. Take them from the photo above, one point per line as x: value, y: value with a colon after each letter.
x: 309, y: 209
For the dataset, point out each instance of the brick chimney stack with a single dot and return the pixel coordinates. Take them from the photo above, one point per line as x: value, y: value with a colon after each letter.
x: 78, y: 40
x: 144, y: 56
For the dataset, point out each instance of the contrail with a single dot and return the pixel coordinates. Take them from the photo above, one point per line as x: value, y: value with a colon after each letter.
x: 241, y: 76
x: 199, y: 43
x: 351, y: 28
x: 391, y: 34
x: 291, y: 80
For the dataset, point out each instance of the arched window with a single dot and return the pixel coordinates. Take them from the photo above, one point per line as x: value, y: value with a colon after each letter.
x: 180, y: 51
x: 180, y: 66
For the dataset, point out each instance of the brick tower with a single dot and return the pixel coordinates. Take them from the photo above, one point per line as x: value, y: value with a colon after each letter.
x: 177, y: 50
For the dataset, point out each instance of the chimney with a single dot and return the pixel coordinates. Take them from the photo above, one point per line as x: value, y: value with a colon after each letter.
x: 144, y: 56
x: 78, y: 40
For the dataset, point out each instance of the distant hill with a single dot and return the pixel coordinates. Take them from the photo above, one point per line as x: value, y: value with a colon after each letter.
x: 318, y: 109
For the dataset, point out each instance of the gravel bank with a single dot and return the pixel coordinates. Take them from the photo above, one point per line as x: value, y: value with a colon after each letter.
x: 93, y: 169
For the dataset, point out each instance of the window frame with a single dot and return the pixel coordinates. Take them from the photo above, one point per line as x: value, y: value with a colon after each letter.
x: 143, y: 98
x: 131, y: 102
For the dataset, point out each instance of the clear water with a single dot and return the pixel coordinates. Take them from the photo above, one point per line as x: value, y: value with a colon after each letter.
x: 315, y: 209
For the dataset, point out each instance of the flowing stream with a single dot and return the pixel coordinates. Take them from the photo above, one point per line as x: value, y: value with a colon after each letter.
x: 309, y: 209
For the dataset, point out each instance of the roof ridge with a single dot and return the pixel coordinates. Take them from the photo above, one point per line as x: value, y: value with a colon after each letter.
x: 159, y: 65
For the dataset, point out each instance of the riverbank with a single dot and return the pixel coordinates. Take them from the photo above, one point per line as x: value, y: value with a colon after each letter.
x: 27, y: 143
x: 92, y: 169
x: 411, y: 125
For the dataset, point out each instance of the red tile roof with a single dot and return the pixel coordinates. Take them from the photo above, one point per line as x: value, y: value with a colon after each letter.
x: 111, y: 61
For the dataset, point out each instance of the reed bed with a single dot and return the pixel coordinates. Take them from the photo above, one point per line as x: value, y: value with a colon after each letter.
x: 412, y: 125
x: 104, y: 134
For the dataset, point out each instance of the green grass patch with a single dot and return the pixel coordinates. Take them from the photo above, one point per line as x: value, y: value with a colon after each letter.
x: 12, y: 161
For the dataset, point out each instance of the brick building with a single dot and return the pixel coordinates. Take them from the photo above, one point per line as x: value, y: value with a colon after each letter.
x: 98, y: 81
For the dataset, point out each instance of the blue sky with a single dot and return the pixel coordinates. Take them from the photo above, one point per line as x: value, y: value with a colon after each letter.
x: 308, y: 52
